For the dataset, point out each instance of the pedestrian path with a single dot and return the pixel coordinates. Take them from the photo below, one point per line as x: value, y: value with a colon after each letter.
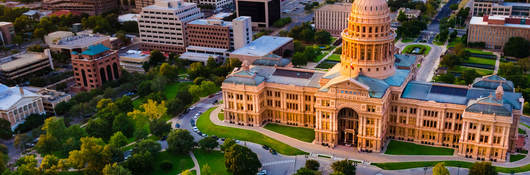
x: 197, y: 167
x: 349, y: 152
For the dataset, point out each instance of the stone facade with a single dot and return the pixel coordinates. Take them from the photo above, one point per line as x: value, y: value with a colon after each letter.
x: 371, y: 97
x: 495, y: 31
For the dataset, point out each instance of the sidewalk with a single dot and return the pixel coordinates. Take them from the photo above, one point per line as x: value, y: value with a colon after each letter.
x: 350, y: 153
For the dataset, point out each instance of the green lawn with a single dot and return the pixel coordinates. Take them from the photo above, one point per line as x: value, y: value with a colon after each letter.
x: 477, y: 60
x: 322, y: 55
x: 206, y: 126
x: 221, y: 116
x: 454, y: 42
x: 334, y: 57
x: 478, y: 51
x: 462, y: 164
x: 214, y: 159
x: 409, y: 48
x: 405, y: 148
x: 524, y: 125
x: 480, y: 71
x: 172, y: 89
x: 516, y: 157
x: 302, y: 134
x: 521, y: 131
x: 180, y: 163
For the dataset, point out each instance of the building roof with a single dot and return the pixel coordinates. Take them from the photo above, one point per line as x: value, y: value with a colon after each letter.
x: 404, y: 60
x: 263, y: 46
x: 446, y: 93
x: 19, y: 60
x: 475, y: 20
x: 221, y: 15
x: 287, y: 76
x: 134, y: 56
x: 492, y: 82
x: 95, y: 49
x: 344, y: 7
x: 128, y: 17
x: 216, y: 22
x: 65, y: 12
x: 81, y: 41
x: 9, y: 96
x: 270, y: 62
x: 489, y: 105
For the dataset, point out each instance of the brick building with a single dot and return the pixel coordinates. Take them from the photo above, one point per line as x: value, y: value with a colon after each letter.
x: 91, y: 7
x: 496, y: 30
x: 95, y: 66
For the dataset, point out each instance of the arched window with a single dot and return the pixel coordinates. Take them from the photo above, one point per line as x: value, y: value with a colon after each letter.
x: 116, y: 72
x: 102, y: 75
x: 109, y: 73
x: 84, y: 77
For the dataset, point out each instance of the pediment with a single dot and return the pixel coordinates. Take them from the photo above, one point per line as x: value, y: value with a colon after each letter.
x: 343, y: 82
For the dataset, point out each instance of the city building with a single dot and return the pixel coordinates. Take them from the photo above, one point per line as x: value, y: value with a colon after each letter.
x: 215, y: 4
x: 242, y: 27
x: 17, y: 103
x: 95, y: 66
x: 262, y: 12
x: 36, y: 14
x: 53, y: 37
x: 140, y: 4
x: 50, y: 97
x: 77, y: 43
x: 133, y: 60
x: 332, y: 18
x: 7, y: 32
x: 128, y: 17
x: 90, y: 7
x: 264, y: 47
x: 163, y: 25
x: 371, y: 97
x: 220, y: 16
x: 212, y: 33
x: 410, y: 13
x: 496, y: 30
x: 19, y: 65
x: 499, y: 7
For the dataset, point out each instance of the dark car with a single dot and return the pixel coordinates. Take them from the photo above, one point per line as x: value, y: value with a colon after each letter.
x: 215, y: 137
x: 223, y: 139
x: 273, y: 152
x: 177, y: 125
x: 265, y: 147
x: 164, y: 138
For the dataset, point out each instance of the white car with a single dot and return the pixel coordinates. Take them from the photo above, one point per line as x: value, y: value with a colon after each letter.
x: 262, y: 172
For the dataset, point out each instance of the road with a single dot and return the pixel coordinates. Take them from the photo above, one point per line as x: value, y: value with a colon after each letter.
x: 434, y: 27
x: 429, y: 63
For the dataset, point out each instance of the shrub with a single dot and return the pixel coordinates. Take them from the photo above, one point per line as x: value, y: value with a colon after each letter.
x: 166, y: 165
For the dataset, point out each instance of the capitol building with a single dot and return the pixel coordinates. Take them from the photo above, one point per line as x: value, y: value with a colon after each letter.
x: 371, y: 97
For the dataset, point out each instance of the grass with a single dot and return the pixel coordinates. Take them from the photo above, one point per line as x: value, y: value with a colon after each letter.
x: 206, y: 126
x: 334, y: 57
x: 171, y: 90
x: 302, y: 134
x: 516, y: 157
x: 477, y: 51
x: 454, y: 42
x: 405, y: 148
x: 521, y: 131
x: 221, y: 116
x: 214, y: 159
x: 461, y: 164
x: 480, y: 71
x: 180, y: 163
x: 525, y: 125
x: 322, y: 55
x: 409, y: 48
x: 477, y: 60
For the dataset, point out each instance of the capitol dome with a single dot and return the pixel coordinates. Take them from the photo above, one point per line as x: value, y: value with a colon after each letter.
x: 367, y: 43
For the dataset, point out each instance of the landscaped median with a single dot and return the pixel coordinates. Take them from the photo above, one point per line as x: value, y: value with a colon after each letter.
x: 206, y: 126
x: 424, y: 49
x: 461, y: 164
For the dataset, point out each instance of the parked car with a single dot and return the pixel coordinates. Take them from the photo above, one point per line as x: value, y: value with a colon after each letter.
x: 265, y: 147
x: 272, y: 151
x: 205, y: 135
x: 177, y: 125
x: 262, y: 172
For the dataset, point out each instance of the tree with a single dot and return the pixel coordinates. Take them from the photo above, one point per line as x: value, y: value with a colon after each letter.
x: 115, y: 169
x: 92, y: 156
x: 169, y: 71
x: 344, y: 166
x: 322, y: 37
x: 185, y: 96
x: 124, y: 104
x: 402, y: 17
x: 227, y: 144
x: 469, y: 75
x: 453, y: 6
x: 166, y: 165
x: 5, y: 129
x: 306, y: 171
x: 159, y: 127
x: 47, y: 144
x: 206, y: 170
x: 152, y: 110
x: 208, y: 143
x: 517, y: 47
x: 118, y: 140
x: 49, y: 164
x: 99, y: 128
x: 299, y: 59
x: 187, y: 172
x: 482, y: 168
x: 123, y: 124
x: 180, y: 141
x: 144, y: 88
x: 26, y: 165
x: 241, y: 160
x: 140, y: 162
x: 148, y: 145
x: 440, y: 169
x: 312, y: 164
x: 175, y: 106
x: 197, y: 69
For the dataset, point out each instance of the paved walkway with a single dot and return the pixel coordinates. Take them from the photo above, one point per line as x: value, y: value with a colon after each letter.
x: 497, y: 63
x: 197, y: 167
x: 351, y: 153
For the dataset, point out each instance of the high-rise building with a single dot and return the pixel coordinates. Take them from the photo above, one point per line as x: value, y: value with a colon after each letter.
x: 91, y: 7
x: 332, y: 18
x: 496, y: 30
x: 140, y: 4
x: 242, y: 27
x: 163, y: 25
x: 499, y: 7
x: 95, y: 66
x: 7, y: 32
x: 262, y: 12
x: 371, y: 97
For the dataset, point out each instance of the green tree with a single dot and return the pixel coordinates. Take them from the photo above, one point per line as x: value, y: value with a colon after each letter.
x: 482, y: 168
x: 99, y: 128
x: 322, y: 37
x: 180, y: 141
x: 124, y: 104
x: 306, y: 171
x: 175, y: 106
x: 312, y: 164
x: 440, y: 169
x: 169, y: 71
x: 155, y: 58
x: 140, y: 162
x: 92, y: 156
x: 299, y: 59
x: 517, y: 47
x: 241, y: 160
x: 26, y: 165
x: 469, y: 75
x: 344, y: 166
x: 227, y: 144
x: 118, y: 140
x: 115, y: 169
x: 208, y: 143
x: 206, y: 170
x: 148, y: 145
x: 159, y: 127
x: 197, y: 69
x: 5, y: 129
x: 402, y: 17
x: 123, y: 124
x: 49, y: 164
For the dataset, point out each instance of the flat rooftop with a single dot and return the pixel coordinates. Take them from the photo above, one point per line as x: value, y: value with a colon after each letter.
x: 216, y: 22
x: 128, y: 17
x: 344, y: 7
x: 20, y: 60
x: 81, y: 41
x: 263, y: 46
x: 479, y: 21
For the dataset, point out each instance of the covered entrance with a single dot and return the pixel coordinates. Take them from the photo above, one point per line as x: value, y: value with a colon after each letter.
x: 348, y: 127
